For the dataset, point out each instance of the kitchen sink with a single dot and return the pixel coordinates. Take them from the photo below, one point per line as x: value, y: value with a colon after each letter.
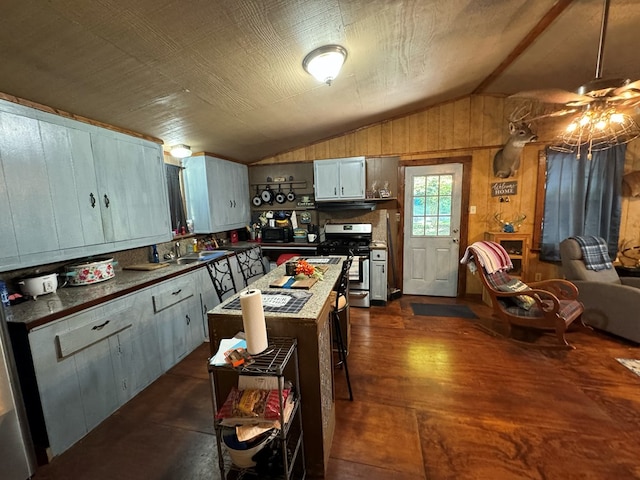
x: 203, y: 256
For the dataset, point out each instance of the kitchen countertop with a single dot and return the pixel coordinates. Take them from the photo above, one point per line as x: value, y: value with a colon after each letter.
x: 311, y: 308
x: 69, y: 300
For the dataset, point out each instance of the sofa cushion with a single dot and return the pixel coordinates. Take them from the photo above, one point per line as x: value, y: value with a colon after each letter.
x: 515, y: 285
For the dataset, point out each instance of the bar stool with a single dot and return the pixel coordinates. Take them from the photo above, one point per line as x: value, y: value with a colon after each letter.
x: 340, y: 304
x: 222, y: 277
x: 251, y: 264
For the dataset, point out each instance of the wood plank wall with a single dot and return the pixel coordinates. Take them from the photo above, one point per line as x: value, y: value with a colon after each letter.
x: 476, y: 125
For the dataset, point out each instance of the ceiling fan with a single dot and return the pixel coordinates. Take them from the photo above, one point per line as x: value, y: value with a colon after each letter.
x: 600, y: 105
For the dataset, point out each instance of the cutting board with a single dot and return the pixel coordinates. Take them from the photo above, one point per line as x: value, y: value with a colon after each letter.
x: 306, y: 283
x: 145, y: 266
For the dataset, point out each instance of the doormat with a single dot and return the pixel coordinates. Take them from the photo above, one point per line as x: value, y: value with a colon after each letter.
x: 438, y: 310
x: 631, y: 364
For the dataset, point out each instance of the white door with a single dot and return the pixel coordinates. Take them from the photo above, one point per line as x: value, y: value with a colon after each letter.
x: 432, y: 229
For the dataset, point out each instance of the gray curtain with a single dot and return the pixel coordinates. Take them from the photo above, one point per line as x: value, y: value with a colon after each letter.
x: 582, y: 197
x: 176, y: 205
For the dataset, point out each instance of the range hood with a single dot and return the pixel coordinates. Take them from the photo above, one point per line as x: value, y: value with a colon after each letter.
x: 333, y: 206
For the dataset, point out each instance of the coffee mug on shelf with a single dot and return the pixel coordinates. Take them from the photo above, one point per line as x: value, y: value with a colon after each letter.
x: 312, y: 237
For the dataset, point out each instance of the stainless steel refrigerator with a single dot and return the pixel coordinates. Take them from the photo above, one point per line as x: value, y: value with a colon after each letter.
x: 16, y: 451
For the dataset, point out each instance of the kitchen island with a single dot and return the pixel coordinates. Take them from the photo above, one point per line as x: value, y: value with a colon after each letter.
x: 312, y: 327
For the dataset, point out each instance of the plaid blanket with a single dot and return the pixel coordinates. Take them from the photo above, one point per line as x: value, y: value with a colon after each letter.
x: 594, y: 253
x: 492, y: 256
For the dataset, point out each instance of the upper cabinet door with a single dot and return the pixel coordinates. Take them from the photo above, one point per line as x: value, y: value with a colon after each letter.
x: 326, y: 174
x: 67, y: 153
x: 111, y: 172
x: 352, y: 178
x: 27, y: 182
x: 339, y: 179
x: 8, y: 246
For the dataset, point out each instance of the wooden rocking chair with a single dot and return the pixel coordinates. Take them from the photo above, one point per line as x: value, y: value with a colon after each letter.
x: 552, y: 304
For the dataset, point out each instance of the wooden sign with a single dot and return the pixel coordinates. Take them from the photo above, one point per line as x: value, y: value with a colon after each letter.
x: 500, y: 189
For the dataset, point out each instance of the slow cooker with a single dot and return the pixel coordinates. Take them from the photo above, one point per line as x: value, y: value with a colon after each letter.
x: 37, y: 285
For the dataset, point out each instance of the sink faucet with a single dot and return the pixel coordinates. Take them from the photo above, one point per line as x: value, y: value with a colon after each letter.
x: 177, y: 249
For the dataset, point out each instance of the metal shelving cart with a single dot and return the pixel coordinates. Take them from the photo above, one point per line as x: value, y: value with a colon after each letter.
x: 279, y: 360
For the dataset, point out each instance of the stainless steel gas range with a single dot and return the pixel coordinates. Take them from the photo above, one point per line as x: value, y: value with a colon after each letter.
x: 346, y: 238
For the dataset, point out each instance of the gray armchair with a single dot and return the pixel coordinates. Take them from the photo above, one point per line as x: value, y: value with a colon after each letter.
x: 611, y: 303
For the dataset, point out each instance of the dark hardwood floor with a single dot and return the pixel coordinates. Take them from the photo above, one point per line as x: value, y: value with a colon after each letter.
x: 435, y: 398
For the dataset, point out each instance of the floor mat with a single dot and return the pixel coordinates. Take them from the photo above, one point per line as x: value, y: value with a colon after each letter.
x: 439, y: 310
x: 631, y: 364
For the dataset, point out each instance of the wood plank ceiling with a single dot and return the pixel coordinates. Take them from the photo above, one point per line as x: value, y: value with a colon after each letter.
x: 225, y: 76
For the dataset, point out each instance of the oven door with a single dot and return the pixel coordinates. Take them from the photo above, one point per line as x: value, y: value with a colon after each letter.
x: 359, y: 282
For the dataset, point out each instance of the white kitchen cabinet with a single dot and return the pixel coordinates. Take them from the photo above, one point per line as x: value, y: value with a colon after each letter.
x: 339, y: 179
x: 129, y: 174
x: 208, y: 297
x: 379, y: 276
x: 75, y: 372
x: 217, y: 194
x: 173, y: 302
x: 70, y: 189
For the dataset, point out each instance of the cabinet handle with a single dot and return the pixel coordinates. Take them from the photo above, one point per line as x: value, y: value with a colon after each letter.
x: 188, y: 319
x: 335, y: 190
x: 382, y: 268
x: 234, y: 204
x: 101, y: 326
x: 342, y: 190
x: 230, y: 203
x: 176, y: 292
x: 106, y: 201
x: 92, y: 200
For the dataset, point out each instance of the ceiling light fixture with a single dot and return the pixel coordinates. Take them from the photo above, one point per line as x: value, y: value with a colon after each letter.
x: 181, y: 151
x: 324, y: 63
x: 600, y: 125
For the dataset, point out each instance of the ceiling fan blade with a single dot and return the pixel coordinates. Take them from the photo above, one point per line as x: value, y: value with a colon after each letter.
x: 558, y: 113
x: 629, y: 90
x: 554, y: 95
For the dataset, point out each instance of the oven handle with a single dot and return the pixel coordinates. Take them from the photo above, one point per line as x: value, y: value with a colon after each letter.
x: 358, y: 294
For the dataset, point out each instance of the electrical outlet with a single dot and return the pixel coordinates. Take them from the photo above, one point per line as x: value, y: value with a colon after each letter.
x: 472, y: 209
x: 538, y: 277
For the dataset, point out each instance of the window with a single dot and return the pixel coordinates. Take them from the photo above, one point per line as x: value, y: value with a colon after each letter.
x: 176, y: 202
x: 431, y: 205
x: 582, y: 197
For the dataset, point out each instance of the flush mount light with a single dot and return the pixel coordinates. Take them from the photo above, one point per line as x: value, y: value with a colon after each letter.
x: 324, y: 63
x: 181, y: 151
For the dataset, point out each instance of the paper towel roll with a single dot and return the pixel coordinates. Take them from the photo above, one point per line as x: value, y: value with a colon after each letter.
x: 255, y: 327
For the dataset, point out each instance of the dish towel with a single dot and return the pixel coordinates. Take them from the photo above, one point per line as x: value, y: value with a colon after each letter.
x: 594, y: 253
x: 491, y: 255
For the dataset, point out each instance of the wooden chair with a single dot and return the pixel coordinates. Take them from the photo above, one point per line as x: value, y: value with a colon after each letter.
x: 554, y: 302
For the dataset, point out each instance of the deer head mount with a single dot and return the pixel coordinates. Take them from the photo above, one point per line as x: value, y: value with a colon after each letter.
x: 507, y: 160
x: 510, y: 226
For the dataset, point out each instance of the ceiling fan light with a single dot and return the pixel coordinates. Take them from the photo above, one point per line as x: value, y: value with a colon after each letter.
x: 584, y: 120
x: 324, y: 63
x: 601, y: 124
x: 617, y: 117
x: 181, y: 151
x: 572, y: 126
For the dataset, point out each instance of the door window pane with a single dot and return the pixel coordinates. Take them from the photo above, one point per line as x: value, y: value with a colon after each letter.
x: 432, y: 199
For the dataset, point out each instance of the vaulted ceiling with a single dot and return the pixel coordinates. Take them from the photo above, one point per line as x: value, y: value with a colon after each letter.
x: 225, y: 76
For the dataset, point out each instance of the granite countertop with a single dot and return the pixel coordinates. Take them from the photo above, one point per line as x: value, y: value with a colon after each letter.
x: 309, y: 311
x: 69, y: 300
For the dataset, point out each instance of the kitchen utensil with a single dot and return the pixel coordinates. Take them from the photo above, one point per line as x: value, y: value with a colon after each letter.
x: 267, y: 195
x: 90, y: 272
x: 291, y: 196
x: 280, y: 196
x: 257, y: 199
x: 39, y: 284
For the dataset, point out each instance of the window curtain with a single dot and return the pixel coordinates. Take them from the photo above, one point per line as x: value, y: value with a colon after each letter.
x: 176, y: 204
x: 582, y: 197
